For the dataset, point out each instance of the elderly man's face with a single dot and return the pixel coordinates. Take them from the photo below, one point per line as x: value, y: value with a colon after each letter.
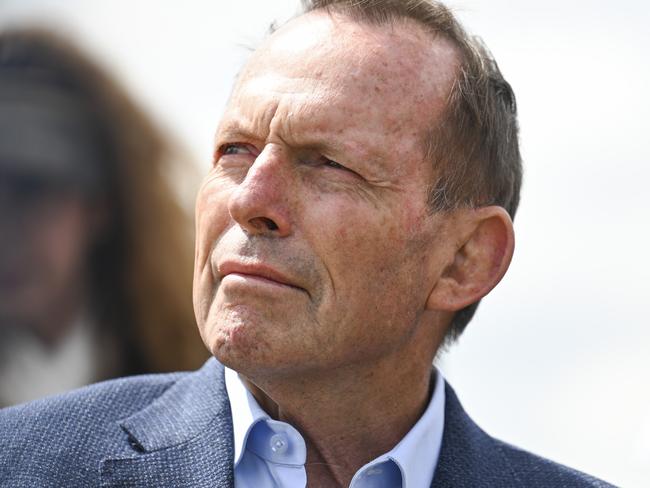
x: 315, y: 247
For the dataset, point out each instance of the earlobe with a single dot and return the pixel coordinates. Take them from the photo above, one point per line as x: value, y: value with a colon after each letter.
x: 482, y: 256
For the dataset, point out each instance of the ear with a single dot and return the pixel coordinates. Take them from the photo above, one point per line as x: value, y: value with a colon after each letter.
x: 485, y: 242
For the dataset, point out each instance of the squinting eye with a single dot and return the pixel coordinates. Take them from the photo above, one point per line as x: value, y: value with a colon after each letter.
x: 333, y: 164
x: 230, y: 149
x: 328, y: 163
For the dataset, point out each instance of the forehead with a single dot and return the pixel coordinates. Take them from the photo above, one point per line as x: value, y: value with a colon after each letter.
x: 400, y: 56
x: 322, y: 71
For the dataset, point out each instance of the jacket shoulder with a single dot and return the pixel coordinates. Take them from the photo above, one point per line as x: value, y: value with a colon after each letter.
x: 63, y: 437
x: 469, y: 457
x: 533, y: 470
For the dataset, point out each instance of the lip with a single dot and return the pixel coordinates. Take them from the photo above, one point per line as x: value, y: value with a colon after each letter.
x: 256, y: 271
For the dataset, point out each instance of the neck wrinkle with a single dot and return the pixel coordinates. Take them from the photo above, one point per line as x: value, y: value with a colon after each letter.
x: 350, y: 418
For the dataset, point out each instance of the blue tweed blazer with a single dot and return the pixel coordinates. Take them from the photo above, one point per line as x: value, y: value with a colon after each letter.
x: 175, y: 430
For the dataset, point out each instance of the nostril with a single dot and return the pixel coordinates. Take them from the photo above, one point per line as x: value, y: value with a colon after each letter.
x: 263, y: 223
x: 269, y: 223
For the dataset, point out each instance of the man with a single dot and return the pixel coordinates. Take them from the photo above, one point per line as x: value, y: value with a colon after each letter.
x: 359, y: 206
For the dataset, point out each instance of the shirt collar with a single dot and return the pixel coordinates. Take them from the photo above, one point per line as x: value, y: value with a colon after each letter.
x: 246, y: 412
x: 416, y: 454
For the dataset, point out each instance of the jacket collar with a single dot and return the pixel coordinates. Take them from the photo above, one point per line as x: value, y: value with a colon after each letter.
x: 183, y: 438
x: 469, y: 458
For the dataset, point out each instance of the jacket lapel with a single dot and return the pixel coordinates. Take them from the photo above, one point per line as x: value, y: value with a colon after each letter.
x: 469, y: 458
x: 183, y: 438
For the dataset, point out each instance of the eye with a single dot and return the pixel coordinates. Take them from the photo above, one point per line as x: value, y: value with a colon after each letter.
x: 333, y: 164
x: 234, y: 153
x: 235, y: 149
x: 328, y: 168
x: 330, y: 163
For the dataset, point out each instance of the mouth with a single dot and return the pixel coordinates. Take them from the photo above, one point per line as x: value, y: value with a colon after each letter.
x: 255, y: 274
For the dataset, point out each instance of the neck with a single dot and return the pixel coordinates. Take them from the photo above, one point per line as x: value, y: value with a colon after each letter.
x: 352, y: 414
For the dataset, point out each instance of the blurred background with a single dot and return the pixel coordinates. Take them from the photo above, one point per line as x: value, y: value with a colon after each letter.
x: 557, y: 356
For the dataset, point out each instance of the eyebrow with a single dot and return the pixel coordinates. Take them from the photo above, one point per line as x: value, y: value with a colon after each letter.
x: 238, y: 128
x: 234, y: 128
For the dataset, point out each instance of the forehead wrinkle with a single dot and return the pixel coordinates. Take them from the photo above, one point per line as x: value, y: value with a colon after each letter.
x: 252, y: 118
x: 299, y: 123
x: 397, y: 83
x: 234, y: 129
x: 300, y: 126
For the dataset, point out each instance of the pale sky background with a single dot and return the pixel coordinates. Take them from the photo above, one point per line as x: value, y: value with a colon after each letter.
x: 557, y: 358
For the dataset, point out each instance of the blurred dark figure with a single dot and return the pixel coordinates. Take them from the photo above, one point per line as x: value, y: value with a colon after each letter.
x: 95, y: 252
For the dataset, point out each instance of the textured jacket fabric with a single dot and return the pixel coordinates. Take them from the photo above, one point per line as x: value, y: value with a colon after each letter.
x: 175, y: 430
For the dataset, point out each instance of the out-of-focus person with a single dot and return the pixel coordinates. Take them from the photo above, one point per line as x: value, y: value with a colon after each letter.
x: 95, y: 250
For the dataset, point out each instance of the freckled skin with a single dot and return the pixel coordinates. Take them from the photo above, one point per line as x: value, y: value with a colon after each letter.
x: 320, y: 174
x: 358, y: 240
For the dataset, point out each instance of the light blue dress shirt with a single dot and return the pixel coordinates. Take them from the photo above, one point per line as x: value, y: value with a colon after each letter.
x: 272, y: 454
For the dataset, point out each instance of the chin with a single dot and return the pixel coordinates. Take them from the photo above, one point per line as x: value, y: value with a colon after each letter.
x: 237, y: 339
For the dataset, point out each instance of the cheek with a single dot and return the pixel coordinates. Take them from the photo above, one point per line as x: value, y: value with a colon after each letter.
x: 212, y: 219
x: 355, y: 245
x: 365, y: 250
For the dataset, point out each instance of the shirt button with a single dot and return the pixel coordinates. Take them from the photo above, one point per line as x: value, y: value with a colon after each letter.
x: 279, y: 444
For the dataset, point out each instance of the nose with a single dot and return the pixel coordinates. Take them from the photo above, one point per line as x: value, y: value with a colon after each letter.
x: 261, y: 202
